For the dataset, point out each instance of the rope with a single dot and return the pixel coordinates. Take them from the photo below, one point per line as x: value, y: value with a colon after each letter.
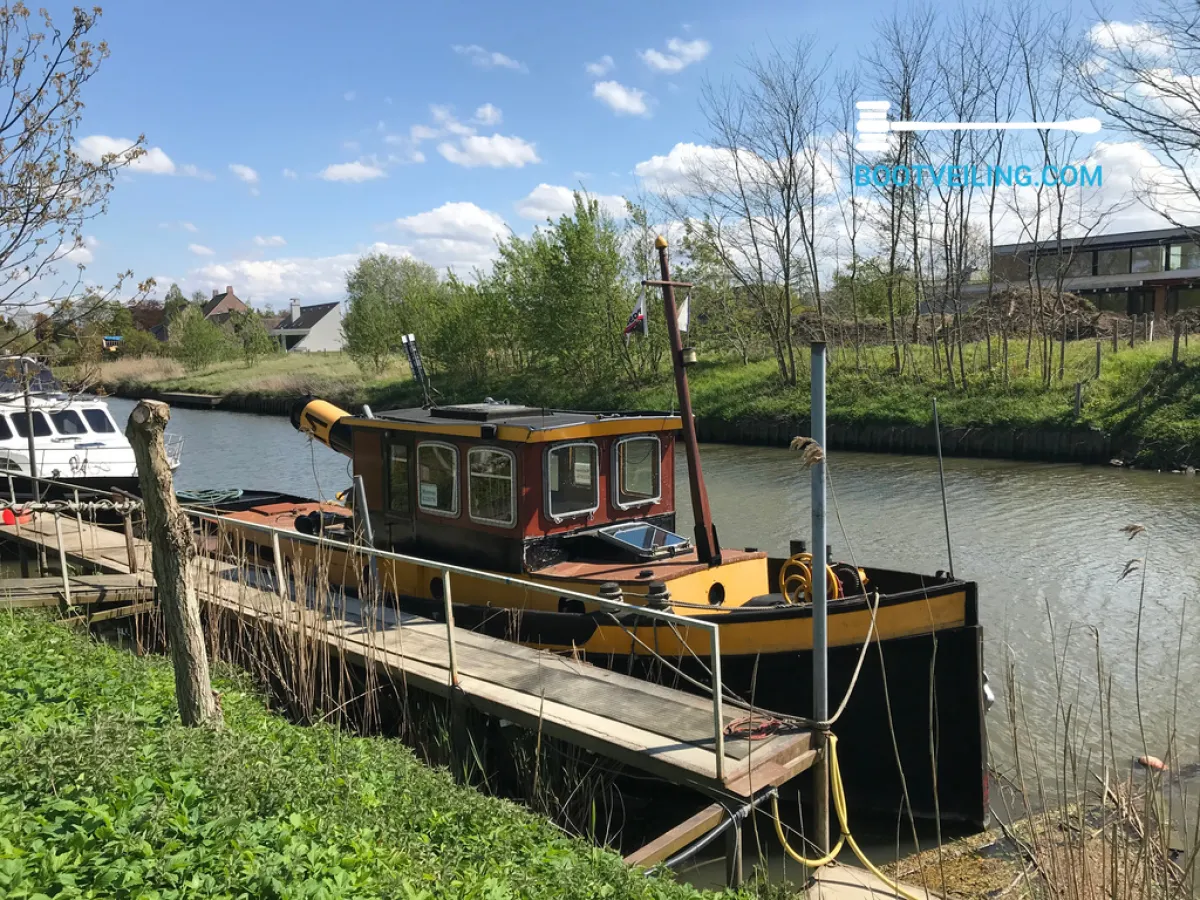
x: 754, y: 728
x: 839, y: 805
x: 209, y: 498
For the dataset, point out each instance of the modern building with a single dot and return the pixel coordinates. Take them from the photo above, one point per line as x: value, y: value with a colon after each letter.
x: 1132, y: 273
x: 310, y: 328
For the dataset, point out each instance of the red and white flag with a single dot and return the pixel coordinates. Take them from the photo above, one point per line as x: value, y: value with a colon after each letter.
x: 637, y: 318
x: 684, y: 313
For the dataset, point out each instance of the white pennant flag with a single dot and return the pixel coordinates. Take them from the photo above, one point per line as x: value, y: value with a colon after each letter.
x: 637, y: 318
x: 685, y: 313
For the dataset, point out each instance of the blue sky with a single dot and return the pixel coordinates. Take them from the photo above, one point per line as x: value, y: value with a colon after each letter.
x: 285, y: 133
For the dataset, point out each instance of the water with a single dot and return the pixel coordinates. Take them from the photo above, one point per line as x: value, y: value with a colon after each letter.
x: 1043, y: 542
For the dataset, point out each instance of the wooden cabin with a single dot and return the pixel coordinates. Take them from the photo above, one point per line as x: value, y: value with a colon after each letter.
x: 531, y: 480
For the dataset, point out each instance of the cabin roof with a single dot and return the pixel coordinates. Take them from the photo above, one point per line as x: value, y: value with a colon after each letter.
x: 513, y: 422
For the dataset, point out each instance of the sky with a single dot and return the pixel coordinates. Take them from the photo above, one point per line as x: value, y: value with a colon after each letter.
x: 286, y: 140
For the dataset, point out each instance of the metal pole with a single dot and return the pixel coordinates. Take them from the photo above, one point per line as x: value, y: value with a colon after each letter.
x: 364, y: 521
x: 453, y: 657
x: 277, y: 555
x: 718, y: 711
x: 33, y: 484
x: 937, y: 436
x: 708, y: 550
x: 820, y: 638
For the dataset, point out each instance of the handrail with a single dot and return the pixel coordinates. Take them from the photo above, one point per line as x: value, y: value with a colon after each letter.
x: 446, y: 568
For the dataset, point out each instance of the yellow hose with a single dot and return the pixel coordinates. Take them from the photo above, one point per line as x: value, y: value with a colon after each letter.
x: 839, y: 805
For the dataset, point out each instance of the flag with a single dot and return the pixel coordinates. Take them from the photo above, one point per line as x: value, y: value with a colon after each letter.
x: 684, y: 313
x: 637, y: 318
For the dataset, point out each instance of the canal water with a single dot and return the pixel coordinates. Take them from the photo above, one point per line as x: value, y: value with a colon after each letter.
x: 1044, y: 542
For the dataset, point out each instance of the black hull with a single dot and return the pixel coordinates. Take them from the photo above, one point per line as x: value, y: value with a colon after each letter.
x: 884, y: 735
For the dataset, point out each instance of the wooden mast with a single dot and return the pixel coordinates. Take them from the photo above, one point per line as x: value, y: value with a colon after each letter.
x: 708, y: 550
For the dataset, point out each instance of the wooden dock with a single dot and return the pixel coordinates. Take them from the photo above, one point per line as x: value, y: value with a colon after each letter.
x: 658, y: 730
x: 90, y: 590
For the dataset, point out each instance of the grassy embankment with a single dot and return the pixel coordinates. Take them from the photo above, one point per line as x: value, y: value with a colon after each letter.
x: 1139, y: 394
x: 104, y: 794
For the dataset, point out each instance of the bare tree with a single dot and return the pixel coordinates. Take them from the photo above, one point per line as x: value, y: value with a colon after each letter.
x: 754, y: 197
x: 48, y: 189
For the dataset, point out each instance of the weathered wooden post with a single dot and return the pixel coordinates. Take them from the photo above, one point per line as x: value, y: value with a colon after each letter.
x: 1098, y: 352
x: 1150, y: 327
x: 172, y: 551
x: 1078, y: 399
x: 1175, y: 345
x: 1116, y: 326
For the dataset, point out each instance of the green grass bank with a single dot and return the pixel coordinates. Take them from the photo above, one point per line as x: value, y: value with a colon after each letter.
x: 104, y: 794
x: 1148, y: 409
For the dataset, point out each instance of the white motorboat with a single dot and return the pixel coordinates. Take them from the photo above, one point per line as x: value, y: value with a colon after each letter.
x: 75, y: 439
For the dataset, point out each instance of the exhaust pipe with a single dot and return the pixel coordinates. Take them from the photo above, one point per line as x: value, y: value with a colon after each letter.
x: 322, y: 420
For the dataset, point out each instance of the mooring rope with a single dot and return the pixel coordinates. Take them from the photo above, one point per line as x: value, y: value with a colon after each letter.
x: 61, y: 506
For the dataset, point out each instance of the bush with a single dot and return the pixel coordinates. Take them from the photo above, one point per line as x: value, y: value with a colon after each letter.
x: 139, y: 345
x: 197, y: 342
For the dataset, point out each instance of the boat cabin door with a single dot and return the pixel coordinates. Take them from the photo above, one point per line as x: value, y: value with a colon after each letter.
x: 398, y: 509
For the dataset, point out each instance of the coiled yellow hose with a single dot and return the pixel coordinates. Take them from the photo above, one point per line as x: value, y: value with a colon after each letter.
x: 839, y: 805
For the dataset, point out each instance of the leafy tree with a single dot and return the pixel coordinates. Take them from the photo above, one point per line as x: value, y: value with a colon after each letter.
x: 199, y: 298
x: 140, y: 344
x: 388, y: 297
x: 371, y: 331
x: 173, y: 304
x: 251, y: 336
x: 197, y: 342
x: 869, y: 282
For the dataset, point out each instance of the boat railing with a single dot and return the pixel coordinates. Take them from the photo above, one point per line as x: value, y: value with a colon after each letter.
x: 173, y: 444
x: 607, y: 603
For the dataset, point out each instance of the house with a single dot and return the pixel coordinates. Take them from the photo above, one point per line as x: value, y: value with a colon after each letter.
x: 311, y: 328
x: 1134, y: 272
x: 218, y: 309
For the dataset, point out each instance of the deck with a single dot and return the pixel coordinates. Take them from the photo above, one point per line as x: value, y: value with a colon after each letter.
x: 661, y: 731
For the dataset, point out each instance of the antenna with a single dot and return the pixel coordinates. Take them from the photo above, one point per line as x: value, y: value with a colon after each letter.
x: 417, y: 365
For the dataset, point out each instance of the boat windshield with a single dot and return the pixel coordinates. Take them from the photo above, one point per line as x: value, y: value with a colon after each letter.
x: 41, y: 427
x: 99, y: 421
x: 67, y: 421
x: 645, y: 540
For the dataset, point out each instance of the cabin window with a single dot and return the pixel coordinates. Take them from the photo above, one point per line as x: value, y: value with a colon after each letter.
x: 41, y: 427
x: 399, y: 493
x: 437, y: 483
x: 491, y: 486
x: 5, y: 430
x: 67, y: 421
x: 637, y: 468
x: 99, y: 421
x: 572, y: 480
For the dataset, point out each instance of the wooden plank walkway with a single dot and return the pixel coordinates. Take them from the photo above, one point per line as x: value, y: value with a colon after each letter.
x: 25, y: 593
x: 659, y: 730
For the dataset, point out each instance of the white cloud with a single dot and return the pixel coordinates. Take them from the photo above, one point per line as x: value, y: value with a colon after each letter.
x: 488, y: 59
x: 349, y: 96
x: 420, y: 133
x: 460, y: 235
x: 498, y: 151
x: 290, y: 173
x: 622, y: 100
x: 549, y: 201
x: 274, y: 240
x: 186, y: 226
x: 200, y: 249
x: 352, y: 171
x: 677, y: 170
x: 600, y: 67
x: 680, y: 54
x: 488, y: 115
x: 1127, y: 35
x: 245, y: 173
x: 154, y: 161
x: 81, y: 253
x: 447, y: 122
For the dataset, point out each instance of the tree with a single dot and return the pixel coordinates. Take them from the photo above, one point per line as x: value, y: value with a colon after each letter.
x: 50, y: 184
x: 140, y: 344
x: 197, y: 342
x: 173, y: 304
x: 251, y: 336
x: 388, y: 297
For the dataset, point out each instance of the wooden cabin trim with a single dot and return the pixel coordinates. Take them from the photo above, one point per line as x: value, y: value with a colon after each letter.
x: 523, y: 434
x: 512, y: 486
x: 615, y: 469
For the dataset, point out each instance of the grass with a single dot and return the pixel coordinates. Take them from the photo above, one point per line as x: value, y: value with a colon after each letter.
x: 1138, y: 395
x: 104, y: 794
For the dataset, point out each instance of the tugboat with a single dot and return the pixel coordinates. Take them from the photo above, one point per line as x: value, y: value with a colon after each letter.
x: 587, y: 501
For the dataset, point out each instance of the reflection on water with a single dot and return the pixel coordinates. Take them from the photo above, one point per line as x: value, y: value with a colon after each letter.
x: 1043, y: 542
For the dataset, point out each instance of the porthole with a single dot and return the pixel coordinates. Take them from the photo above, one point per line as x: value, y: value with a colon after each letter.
x: 716, y: 594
